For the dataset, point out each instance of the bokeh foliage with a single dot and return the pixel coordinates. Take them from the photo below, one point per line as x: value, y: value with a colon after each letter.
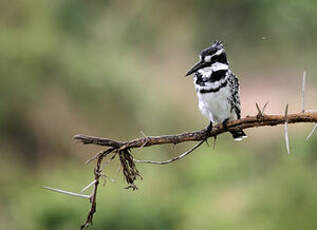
x: 113, y: 68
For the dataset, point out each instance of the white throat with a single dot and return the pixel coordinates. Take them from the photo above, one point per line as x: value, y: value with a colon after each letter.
x: 207, y: 71
x: 219, y: 66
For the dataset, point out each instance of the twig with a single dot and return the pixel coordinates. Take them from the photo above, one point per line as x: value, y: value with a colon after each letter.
x: 173, y: 159
x: 93, y: 158
x: 97, y: 141
x: 286, y: 130
x: 97, y: 173
x: 100, y: 154
x: 303, y: 91
x: 260, y: 114
x: 67, y: 192
x: 311, y: 132
x: 263, y: 109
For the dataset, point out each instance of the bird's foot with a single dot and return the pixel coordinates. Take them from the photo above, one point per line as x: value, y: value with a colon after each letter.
x: 224, y: 124
x: 208, y: 130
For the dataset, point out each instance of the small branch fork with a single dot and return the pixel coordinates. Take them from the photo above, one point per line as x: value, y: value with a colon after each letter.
x: 122, y: 149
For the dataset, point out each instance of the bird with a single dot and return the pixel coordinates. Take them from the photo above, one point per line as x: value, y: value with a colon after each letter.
x: 217, y: 88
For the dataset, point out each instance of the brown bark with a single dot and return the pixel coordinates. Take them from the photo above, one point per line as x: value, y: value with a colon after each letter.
x: 245, y: 123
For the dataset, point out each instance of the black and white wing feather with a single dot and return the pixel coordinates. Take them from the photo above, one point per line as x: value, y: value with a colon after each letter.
x: 234, y: 100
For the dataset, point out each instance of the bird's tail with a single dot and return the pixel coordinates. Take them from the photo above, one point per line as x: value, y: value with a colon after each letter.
x: 238, y: 135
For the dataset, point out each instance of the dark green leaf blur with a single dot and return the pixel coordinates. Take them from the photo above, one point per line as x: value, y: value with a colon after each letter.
x: 116, y: 68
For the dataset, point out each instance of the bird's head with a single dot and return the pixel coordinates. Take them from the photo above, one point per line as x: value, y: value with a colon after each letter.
x: 214, y: 53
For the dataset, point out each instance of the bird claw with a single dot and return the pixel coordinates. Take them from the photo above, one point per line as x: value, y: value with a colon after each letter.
x: 224, y: 124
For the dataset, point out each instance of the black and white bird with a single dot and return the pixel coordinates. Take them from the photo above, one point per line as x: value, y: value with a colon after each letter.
x: 217, y: 88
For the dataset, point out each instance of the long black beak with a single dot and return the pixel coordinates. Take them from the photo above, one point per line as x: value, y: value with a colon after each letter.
x: 196, y: 67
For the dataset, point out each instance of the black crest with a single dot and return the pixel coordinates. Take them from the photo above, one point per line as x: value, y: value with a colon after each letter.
x: 217, y: 45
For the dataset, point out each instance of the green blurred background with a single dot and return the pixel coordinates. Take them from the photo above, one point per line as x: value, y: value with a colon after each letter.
x: 115, y: 68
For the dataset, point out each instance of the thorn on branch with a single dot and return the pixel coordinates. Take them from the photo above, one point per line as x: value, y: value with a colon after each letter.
x: 258, y: 108
x: 67, y: 192
x: 286, y: 130
x: 88, y: 186
x: 303, y: 91
x: 263, y: 109
x: 311, y: 132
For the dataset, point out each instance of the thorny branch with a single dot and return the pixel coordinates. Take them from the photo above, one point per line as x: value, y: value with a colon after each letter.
x: 122, y: 149
x: 245, y: 123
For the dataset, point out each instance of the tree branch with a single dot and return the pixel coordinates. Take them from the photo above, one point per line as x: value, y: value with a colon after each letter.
x: 245, y: 123
x: 122, y: 148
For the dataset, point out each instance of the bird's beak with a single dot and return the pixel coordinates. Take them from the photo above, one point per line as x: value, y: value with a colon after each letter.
x: 195, y: 68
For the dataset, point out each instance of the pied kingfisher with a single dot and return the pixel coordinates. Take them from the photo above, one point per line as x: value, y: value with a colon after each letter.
x: 217, y: 88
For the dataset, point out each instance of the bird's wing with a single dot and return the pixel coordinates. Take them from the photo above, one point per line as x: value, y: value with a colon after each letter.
x: 235, y: 92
